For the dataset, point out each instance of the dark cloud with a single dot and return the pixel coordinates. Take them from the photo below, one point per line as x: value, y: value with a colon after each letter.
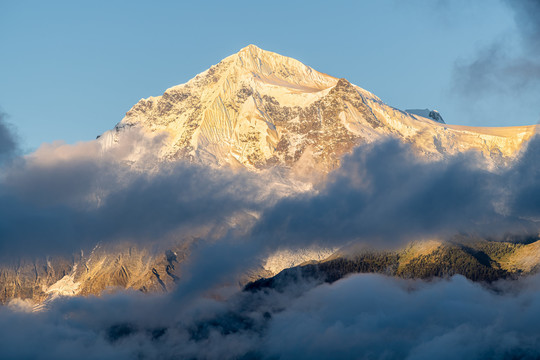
x: 382, y: 195
x: 370, y: 316
x: 527, y: 16
x: 8, y: 144
x: 51, y: 204
x: 523, y: 182
x: 64, y: 198
x: 385, y: 195
x: 364, y: 316
x: 495, y: 71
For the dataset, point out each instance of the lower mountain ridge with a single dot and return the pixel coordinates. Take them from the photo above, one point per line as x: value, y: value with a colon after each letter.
x: 108, y: 269
x: 476, y: 259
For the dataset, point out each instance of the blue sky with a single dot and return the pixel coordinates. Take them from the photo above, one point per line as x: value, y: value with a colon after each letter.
x: 70, y: 70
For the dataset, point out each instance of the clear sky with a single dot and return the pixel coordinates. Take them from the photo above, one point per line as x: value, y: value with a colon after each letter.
x: 70, y: 70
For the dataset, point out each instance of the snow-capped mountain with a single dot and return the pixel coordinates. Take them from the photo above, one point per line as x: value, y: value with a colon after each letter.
x: 258, y: 109
x: 428, y: 114
x: 255, y: 109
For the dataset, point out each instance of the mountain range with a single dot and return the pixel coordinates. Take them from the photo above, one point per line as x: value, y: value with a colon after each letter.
x: 258, y: 110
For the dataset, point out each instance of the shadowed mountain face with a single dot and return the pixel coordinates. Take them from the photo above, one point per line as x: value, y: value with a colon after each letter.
x: 260, y: 111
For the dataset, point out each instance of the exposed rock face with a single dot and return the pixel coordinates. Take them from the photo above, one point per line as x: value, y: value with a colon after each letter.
x: 104, y: 268
x: 258, y: 109
x: 29, y: 279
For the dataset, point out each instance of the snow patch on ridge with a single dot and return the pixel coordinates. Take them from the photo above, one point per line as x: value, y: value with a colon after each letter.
x: 66, y: 286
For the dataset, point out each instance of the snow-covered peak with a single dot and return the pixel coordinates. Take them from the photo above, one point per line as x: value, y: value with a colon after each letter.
x: 279, y: 69
x: 257, y: 109
x: 428, y: 114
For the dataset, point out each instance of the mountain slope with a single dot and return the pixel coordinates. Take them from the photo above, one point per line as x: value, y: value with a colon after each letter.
x: 258, y: 109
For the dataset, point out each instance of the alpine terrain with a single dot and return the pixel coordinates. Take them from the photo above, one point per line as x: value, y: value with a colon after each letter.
x: 258, y: 110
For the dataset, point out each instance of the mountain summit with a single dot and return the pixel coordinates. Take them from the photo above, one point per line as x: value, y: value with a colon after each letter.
x: 257, y: 109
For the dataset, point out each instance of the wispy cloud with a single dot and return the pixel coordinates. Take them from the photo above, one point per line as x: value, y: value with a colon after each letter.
x: 502, y: 67
x: 8, y: 144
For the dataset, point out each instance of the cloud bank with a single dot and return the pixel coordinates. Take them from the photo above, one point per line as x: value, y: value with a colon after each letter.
x: 364, y: 316
x: 385, y: 195
x: 66, y: 197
